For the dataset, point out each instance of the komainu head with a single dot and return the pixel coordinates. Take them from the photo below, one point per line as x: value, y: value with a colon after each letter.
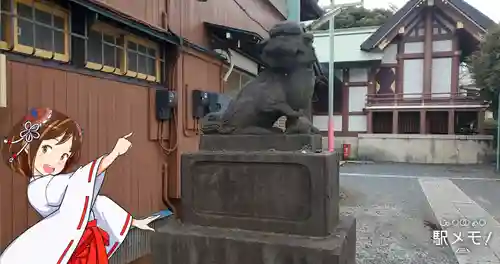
x: 288, y: 47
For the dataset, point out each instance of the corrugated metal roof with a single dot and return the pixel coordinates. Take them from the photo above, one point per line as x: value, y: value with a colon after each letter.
x: 347, y: 45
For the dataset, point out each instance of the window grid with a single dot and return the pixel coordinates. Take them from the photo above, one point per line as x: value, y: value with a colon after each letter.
x: 14, y: 23
x: 72, y: 44
x: 117, y: 66
x: 154, y: 75
x: 121, y: 63
x: 243, y: 78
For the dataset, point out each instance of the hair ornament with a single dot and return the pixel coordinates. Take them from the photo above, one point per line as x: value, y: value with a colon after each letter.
x: 34, y: 113
x: 28, y: 134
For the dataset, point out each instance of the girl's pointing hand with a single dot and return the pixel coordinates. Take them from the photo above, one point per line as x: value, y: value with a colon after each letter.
x: 122, y: 145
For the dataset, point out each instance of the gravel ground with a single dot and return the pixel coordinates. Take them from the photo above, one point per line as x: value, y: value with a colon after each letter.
x: 391, y: 221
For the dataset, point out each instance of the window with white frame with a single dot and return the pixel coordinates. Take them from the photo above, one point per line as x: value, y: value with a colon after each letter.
x: 236, y: 81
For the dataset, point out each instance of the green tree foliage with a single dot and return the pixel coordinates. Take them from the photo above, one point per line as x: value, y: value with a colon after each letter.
x: 361, y: 17
x: 484, y: 65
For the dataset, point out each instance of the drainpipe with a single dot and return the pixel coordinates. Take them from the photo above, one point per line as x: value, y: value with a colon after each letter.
x: 294, y: 15
x: 293, y: 7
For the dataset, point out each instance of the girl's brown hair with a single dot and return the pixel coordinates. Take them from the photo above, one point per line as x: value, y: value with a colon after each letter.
x: 52, y: 124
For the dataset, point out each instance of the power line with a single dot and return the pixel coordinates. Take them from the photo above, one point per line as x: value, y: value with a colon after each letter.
x: 250, y: 16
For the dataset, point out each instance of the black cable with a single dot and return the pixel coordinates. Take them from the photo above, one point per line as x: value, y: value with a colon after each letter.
x: 250, y: 16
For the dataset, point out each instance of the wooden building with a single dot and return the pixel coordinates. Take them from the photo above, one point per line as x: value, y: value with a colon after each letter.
x: 403, y: 77
x: 101, y: 62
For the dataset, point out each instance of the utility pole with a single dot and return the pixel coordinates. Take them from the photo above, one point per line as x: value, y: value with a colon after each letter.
x: 330, y: 17
x: 331, y: 82
x: 498, y: 133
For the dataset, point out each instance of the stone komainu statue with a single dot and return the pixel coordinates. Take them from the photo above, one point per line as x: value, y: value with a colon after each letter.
x: 284, y: 88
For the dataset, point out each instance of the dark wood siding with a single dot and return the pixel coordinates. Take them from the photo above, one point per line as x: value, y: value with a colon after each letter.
x: 191, y: 14
x: 149, y: 11
x: 194, y: 71
x: 234, y: 13
x: 106, y: 110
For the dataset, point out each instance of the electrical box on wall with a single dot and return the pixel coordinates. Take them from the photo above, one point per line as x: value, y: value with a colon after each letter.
x: 200, y: 103
x: 208, y: 102
x: 165, y: 101
x: 3, y: 80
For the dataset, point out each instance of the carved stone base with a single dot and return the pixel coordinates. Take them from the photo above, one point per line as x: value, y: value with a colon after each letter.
x: 270, y: 191
x: 175, y: 243
x: 279, y: 142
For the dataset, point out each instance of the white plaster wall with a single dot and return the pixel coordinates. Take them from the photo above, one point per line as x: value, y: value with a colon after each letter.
x: 358, y: 75
x: 390, y: 54
x: 321, y: 122
x: 414, y: 47
x: 357, y: 123
x: 441, y: 77
x: 357, y: 98
x: 413, y: 78
x: 442, y: 45
x: 421, y: 32
x: 241, y: 61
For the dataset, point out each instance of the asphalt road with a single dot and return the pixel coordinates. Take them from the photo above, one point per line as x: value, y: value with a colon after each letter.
x: 398, y: 206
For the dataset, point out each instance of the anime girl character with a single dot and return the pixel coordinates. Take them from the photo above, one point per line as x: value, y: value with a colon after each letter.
x: 79, y: 225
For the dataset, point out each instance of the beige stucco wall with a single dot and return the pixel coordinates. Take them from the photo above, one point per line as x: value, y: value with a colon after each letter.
x: 431, y: 149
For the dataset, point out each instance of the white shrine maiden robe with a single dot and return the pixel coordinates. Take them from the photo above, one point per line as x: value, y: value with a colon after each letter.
x: 67, y: 202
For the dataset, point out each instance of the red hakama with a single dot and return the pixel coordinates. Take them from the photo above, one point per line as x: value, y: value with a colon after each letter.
x: 92, y: 246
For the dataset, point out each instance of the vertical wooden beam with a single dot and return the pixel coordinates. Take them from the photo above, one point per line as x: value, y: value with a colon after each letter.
x: 451, y: 121
x: 371, y: 90
x: 345, y: 101
x: 293, y: 10
x: 455, y: 66
x: 423, y: 121
x: 395, y: 122
x: 398, y: 90
x: 372, y: 80
x: 427, y: 74
x: 480, y: 121
x: 369, y: 120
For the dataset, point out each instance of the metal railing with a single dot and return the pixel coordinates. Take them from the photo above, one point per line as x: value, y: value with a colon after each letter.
x: 423, y: 99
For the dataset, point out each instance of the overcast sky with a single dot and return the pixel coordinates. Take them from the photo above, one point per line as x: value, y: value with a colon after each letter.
x: 488, y: 7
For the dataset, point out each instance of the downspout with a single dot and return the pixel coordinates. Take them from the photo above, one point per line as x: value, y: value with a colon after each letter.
x: 294, y: 15
x: 293, y: 7
x: 175, y: 79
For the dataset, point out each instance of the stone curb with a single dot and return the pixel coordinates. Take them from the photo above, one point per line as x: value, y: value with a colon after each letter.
x: 360, y: 161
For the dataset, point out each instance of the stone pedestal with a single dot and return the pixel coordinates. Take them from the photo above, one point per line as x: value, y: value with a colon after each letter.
x: 284, y: 192
x: 262, y: 206
x: 177, y: 243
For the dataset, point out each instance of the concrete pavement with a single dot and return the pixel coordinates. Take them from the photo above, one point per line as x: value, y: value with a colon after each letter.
x: 394, y: 204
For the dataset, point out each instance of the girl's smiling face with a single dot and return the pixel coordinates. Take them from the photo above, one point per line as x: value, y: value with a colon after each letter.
x: 52, y: 155
x: 55, y: 149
